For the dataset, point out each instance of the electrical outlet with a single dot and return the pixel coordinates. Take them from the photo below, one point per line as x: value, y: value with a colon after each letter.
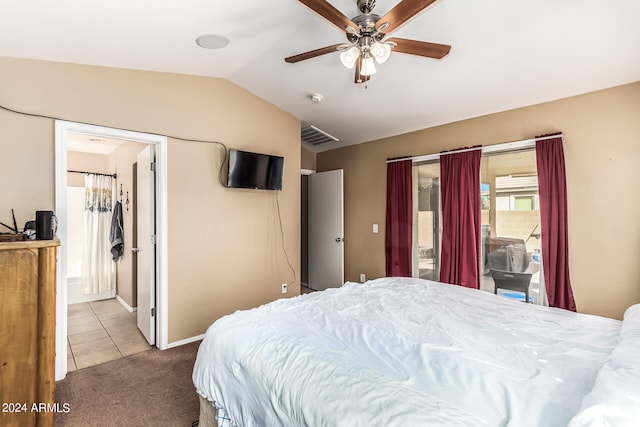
x: 284, y: 288
x: 363, y: 278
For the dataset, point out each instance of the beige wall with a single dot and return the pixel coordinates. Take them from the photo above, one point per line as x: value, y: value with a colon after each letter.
x: 77, y: 161
x: 307, y: 159
x: 602, y: 150
x: 225, y: 248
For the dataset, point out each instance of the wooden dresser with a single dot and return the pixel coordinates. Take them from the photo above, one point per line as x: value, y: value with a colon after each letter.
x: 27, y: 332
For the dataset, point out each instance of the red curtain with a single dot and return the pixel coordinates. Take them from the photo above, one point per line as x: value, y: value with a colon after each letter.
x: 460, y: 187
x: 399, y: 222
x: 552, y: 188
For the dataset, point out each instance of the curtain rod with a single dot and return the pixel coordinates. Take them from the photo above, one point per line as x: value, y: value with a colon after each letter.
x: 95, y: 173
x: 525, y: 143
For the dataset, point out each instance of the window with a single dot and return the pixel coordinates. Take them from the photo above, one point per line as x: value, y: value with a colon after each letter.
x: 523, y: 203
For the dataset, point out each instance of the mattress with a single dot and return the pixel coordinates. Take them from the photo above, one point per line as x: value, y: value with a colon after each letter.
x: 404, y: 351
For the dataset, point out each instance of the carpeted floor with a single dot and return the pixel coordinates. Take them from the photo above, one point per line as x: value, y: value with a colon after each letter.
x: 152, y: 388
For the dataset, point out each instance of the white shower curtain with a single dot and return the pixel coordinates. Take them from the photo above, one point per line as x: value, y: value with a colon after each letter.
x: 98, y: 268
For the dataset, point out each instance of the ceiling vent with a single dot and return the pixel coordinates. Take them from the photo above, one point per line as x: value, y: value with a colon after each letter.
x: 315, y: 136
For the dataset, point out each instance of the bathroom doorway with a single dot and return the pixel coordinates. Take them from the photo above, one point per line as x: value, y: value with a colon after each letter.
x: 110, y: 312
x: 101, y: 294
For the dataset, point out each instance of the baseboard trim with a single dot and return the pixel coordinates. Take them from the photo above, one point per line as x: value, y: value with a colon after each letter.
x: 185, y: 341
x: 125, y: 305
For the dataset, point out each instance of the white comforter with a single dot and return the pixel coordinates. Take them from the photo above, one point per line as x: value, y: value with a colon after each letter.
x: 402, y: 352
x: 615, y: 399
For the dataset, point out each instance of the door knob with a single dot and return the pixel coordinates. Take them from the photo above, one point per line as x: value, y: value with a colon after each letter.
x: 339, y: 239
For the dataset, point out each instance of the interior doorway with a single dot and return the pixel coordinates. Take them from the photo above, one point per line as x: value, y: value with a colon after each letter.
x: 64, y: 130
x: 102, y: 323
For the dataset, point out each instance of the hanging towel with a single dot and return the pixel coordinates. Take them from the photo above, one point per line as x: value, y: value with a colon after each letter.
x: 116, y: 236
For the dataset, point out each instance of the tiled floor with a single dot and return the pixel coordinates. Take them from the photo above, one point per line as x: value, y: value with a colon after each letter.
x: 101, y: 331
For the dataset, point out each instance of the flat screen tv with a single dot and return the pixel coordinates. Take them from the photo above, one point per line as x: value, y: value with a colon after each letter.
x: 254, y: 170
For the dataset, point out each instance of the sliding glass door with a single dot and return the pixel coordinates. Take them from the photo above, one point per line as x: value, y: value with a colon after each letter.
x: 510, y: 232
x: 427, y: 224
x: 510, y: 224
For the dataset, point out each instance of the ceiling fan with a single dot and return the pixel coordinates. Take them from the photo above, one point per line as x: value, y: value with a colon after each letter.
x: 367, y: 34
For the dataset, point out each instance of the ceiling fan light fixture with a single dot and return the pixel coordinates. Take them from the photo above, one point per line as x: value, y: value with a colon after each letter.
x: 380, y: 51
x: 350, y: 56
x: 368, y: 66
x: 367, y: 33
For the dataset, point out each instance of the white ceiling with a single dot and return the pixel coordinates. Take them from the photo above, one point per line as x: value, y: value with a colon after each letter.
x: 505, y: 54
x: 92, y: 144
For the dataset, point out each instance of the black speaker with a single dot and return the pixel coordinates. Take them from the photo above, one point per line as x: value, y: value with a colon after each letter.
x: 44, y: 225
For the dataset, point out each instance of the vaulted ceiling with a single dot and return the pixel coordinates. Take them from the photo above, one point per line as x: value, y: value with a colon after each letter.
x: 505, y: 54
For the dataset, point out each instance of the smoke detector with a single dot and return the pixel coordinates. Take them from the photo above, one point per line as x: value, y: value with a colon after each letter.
x: 212, y: 41
x: 315, y: 97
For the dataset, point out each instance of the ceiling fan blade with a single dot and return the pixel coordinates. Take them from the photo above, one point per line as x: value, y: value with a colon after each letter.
x: 330, y: 13
x: 414, y: 47
x: 400, y: 14
x: 313, y: 53
x: 359, y: 78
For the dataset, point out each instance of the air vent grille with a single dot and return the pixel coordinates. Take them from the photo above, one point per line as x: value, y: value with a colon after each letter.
x: 315, y: 136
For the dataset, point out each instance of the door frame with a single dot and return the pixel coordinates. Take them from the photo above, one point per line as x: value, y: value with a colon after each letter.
x: 304, y: 224
x: 62, y: 129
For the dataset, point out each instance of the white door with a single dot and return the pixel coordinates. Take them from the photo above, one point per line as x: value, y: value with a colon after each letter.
x: 326, y: 230
x: 146, y: 245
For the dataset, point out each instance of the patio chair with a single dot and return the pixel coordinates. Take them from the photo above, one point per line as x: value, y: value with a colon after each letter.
x: 512, y: 281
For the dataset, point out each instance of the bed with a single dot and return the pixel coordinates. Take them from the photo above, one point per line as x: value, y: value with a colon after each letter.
x: 412, y: 352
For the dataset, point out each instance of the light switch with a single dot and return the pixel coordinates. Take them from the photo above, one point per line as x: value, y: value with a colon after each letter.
x: 375, y: 228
